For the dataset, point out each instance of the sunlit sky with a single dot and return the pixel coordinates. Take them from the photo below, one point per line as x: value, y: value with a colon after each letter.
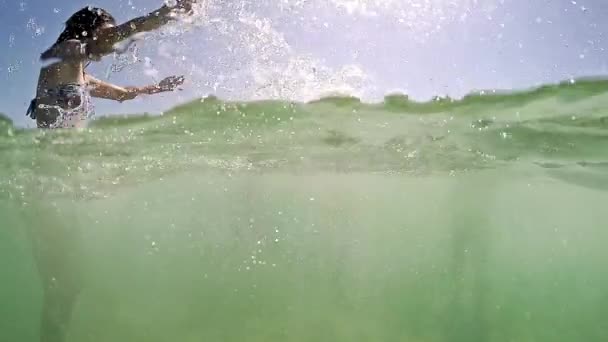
x: 302, y: 49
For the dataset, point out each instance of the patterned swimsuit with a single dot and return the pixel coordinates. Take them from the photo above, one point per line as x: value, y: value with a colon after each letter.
x: 71, y: 107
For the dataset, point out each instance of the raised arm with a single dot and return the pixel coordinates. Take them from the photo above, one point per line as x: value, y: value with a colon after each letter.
x: 108, y: 37
x: 110, y: 91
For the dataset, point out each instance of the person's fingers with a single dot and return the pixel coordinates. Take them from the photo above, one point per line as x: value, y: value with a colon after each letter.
x: 176, y: 80
x: 171, y: 83
x: 185, y: 5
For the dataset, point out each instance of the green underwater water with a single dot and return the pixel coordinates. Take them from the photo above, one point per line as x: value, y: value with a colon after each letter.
x: 481, y: 219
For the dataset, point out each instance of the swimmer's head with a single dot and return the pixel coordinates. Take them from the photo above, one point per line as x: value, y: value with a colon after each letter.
x: 84, y: 24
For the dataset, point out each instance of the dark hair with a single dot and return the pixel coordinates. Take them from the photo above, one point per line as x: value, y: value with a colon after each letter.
x: 81, y: 26
x: 83, y: 23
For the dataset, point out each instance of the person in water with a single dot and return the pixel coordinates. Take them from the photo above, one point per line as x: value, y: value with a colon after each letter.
x: 62, y: 100
x: 63, y: 95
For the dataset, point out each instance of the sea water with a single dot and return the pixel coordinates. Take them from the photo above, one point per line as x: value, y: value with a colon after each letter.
x: 481, y: 219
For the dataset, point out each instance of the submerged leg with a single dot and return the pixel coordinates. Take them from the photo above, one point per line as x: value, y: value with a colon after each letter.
x: 57, y: 251
x: 57, y: 309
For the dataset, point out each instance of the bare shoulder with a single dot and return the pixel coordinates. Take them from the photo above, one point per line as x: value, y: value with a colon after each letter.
x: 103, y: 44
x: 69, y: 49
x: 71, y: 43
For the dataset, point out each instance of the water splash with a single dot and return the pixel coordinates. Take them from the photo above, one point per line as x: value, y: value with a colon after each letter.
x: 262, y: 58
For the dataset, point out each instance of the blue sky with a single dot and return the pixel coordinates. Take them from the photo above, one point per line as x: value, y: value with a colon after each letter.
x: 304, y: 48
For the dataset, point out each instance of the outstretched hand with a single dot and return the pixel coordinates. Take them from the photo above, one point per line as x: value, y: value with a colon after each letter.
x: 171, y: 83
x: 182, y: 5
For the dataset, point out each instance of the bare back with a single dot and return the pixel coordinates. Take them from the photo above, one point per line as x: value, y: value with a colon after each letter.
x: 58, y: 74
x: 61, y: 96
